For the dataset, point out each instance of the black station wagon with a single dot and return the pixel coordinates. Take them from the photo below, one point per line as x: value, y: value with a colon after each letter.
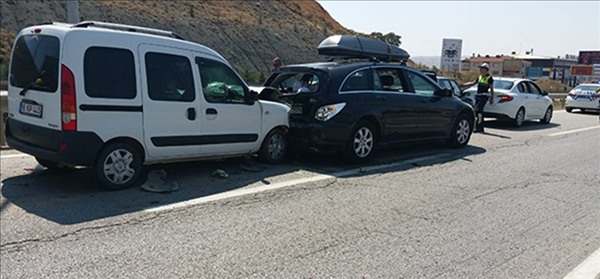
x: 356, y: 107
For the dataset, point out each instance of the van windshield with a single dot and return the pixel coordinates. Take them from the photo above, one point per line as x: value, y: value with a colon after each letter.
x: 34, y: 63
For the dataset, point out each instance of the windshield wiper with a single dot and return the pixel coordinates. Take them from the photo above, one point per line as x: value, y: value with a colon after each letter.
x: 26, y: 88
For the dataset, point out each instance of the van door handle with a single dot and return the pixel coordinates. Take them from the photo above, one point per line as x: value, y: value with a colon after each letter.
x: 191, y: 113
x: 382, y: 98
x: 422, y: 101
x: 212, y: 111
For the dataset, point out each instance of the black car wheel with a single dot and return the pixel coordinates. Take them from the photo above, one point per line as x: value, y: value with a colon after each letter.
x: 461, y: 133
x: 273, y: 148
x: 362, y: 142
x: 519, y: 118
x: 118, y: 166
x: 569, y: 109
x: 548, y: 116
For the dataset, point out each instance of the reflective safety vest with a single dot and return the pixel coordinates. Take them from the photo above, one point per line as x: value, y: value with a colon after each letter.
x: 484, y: 80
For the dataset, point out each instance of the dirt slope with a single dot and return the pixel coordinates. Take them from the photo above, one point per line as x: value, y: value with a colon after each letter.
x: 248, y: 33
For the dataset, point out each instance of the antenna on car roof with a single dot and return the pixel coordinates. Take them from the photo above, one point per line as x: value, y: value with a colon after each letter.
x: 129, y: 28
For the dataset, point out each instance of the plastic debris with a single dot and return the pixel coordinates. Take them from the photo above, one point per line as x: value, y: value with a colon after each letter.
x: 251, y: 166
x: 220, y: 174
x: 156, y: 183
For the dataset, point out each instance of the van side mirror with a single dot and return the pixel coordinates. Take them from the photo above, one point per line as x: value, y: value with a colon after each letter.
x: 251, y: 97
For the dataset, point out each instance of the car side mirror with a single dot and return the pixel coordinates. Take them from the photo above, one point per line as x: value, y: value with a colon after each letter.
x: 544, y: 93
x: 443, y: 93
x: 251, y: 97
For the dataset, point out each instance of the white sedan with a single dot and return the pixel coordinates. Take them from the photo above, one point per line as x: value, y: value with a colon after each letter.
x: 583, y: 97
x: 518, y: 100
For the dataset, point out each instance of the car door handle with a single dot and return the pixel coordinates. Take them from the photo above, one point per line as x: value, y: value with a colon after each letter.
x: 382, y: 98
x: 191, y: 113
x: 211, y: 111
x: 422, y: 101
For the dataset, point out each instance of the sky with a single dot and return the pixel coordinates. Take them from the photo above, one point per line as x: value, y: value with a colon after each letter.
x: 551, y: 28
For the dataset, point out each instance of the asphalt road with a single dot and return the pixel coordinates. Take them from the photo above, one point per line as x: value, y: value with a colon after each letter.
x: 516, y: 203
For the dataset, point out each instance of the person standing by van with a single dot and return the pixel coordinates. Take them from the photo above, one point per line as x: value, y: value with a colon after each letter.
x: 485, y: 84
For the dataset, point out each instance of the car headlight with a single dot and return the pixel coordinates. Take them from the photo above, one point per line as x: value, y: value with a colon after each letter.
x: 325, y: 113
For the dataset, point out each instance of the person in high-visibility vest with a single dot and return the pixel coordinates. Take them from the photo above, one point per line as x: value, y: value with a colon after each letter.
x: 485, y: 84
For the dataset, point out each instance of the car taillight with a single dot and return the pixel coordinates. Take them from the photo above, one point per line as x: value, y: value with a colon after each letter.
x: 505, y: 98
x: 68, y: 104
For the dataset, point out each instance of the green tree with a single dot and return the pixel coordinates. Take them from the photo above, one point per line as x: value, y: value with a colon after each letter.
x: 390, y: 38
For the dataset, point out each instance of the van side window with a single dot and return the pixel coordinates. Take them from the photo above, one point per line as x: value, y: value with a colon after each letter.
x: 220, y: 84
x: 169, y: 77
x: 109, y: 73
x: 421, y: 85
x: 358, y: 81
x: 35, y: 63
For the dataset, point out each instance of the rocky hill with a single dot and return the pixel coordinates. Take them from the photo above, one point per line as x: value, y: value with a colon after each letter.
x: 249, y: 33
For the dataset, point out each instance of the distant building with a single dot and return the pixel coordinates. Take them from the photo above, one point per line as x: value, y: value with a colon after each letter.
x: 496, y: 63
x: 544, y: 67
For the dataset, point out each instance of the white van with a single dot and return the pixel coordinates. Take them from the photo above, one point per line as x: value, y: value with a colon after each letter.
x: 115, y: 97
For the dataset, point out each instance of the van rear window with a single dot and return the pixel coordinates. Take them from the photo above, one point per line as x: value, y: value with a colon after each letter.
x: 34, y: 63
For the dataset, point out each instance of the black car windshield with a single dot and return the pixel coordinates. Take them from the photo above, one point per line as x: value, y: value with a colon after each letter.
x: 35, y: 63
x: 296, y: 82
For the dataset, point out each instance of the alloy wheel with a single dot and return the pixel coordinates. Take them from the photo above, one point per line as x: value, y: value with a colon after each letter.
x: 462, y: 131
x: 363, y: 142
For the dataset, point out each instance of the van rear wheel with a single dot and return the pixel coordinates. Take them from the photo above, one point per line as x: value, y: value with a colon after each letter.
x: 118, y: 166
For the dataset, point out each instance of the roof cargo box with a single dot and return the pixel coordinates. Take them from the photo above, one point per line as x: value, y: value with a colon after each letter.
x: 360, y: 47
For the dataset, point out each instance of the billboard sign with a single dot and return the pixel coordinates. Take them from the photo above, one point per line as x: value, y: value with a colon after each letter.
x: 582, y: 70
x: 451, y: 54
x: 589, y: 57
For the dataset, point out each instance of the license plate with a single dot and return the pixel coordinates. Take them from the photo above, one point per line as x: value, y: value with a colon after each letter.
x: 31, y: 109
x: 296, y: 110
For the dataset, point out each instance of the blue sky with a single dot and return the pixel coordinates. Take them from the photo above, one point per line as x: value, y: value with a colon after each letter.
x: 488, y: 27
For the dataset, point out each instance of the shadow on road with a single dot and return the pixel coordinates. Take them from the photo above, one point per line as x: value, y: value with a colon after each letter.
x: 74, y: 196
x: 527, y: 125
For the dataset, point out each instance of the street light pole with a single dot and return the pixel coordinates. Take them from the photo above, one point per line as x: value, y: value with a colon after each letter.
x: 72, y: 11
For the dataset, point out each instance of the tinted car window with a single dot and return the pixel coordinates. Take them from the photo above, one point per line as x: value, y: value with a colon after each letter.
x: 169, y: 77
x: 220, y: 84
x: 420, y: 84
x: 522, y: 87
x: 109, y: 73
x: 387, y: 80
x: 357, y: 81
x: 35, y: 63
x: 455, y: 89
x: 534, y: 89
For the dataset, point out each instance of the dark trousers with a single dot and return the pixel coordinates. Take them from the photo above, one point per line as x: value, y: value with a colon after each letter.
x: 479, y: 105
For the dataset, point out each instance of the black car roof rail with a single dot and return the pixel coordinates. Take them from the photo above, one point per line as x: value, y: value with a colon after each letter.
x: 129, y: 28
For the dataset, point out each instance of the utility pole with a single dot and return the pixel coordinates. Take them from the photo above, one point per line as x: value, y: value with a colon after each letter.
x: 72, y: 11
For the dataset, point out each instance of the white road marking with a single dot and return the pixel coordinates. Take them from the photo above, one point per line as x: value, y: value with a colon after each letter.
x: 15, y: 156
x: 254, y: 190
x: 588, y: 269
x: 574, y: 131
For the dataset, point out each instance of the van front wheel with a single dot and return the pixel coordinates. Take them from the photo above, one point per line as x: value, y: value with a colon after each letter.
x: 118, y: 166
x: 273, y: 148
